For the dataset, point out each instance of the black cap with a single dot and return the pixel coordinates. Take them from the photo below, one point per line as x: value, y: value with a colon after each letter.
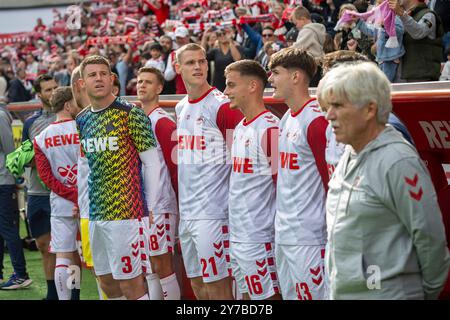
x: 292, y: 34
x: 156, y: 46
x: 317, y: 18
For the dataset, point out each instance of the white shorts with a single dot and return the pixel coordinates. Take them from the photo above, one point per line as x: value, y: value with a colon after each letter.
x: 63, y: 234
x: 117, y: 248
x: 162, y: 234
x: 301, y: 272
x: 205, y: 245
x: 254, y: 269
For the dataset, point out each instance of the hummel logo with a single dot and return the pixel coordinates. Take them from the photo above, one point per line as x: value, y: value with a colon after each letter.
x: 316, y: 272
x: 262, y: 272
x: 317, y: 281
x: 416, y: 195
x: 261, y: 264
x: 160, y: 233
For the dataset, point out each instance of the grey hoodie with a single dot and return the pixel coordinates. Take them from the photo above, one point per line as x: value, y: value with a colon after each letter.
x: 6, y: 145
x: 386, y: 237
x: 311, y: 38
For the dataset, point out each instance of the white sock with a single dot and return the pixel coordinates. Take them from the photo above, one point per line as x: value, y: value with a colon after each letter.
x: 101, y: 294
x: 154, y: 287
x: 119, y: 298
x: 61, y: 277
x: 144, y: 297
x: 170, y: 287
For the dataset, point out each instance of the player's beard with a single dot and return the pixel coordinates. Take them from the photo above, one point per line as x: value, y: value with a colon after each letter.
x: 46, y: 104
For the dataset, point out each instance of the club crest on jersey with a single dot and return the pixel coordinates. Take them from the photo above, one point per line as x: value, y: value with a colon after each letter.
x: 200, y: 120
x: 70, y: 173
x: 292, y: 135
x: 247, y: 143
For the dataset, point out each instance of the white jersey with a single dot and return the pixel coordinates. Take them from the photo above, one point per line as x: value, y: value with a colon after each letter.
x: 83, y: 188
x: 334, y: 150
x: 252, y: 189
x: 302, y: 178
x: 203, y: 159
x: 56, y: 151
x: 166, y: 200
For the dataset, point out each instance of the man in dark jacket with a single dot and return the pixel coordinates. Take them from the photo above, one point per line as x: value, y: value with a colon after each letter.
x: 422, y: 40
x: 17, y: 91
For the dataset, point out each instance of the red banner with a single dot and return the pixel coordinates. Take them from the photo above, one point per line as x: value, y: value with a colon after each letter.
x: 11, y: 38
x: 109, y: 40
x: 233, y: 22
x: 129, y: 39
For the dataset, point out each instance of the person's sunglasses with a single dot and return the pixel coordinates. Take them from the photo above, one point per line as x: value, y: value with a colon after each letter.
x: 267, y: 35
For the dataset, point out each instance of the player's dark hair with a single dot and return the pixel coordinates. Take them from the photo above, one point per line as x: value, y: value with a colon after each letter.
x: 294, y: 58
x: 60, y: 97
x: 42, y: 78
x: 155, y: 71
x: 249, y: 68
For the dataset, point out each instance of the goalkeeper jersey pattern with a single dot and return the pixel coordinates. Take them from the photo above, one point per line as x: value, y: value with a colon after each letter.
x: 111, y: 140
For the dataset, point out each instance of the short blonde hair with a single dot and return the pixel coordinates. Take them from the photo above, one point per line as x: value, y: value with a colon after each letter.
x: 76, y: 75
x: 188, y: 47
x: 95, y: 59
x: 301, y: 12
x: 346, y: 6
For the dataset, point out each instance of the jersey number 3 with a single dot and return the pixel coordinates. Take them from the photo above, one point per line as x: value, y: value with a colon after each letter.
x: 127, y: 262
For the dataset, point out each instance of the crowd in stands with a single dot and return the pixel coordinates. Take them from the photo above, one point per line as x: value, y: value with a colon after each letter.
x: 137, y: 33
